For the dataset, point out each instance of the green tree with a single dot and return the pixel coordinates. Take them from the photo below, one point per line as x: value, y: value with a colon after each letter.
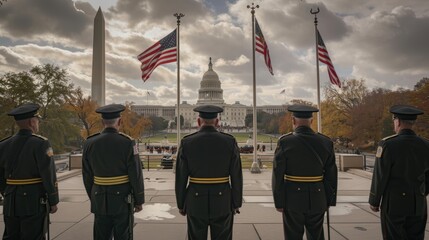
x: 15, y: 89
x: 53, y: 86
x: 158, y: 123
x: 48, y: 86
x: 182, y: 121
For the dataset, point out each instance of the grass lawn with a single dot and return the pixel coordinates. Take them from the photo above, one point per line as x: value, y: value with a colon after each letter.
x: 241, y: 138
x: 154, y: 161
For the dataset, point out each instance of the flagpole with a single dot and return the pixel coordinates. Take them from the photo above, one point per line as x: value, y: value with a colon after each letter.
x: 178, y: 16
x: 319, y: 114
x: 255, y: 166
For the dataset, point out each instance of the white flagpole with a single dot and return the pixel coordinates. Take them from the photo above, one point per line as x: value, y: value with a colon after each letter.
x: 178, y: 16
x: 255, y: 166
x: 319, y: 114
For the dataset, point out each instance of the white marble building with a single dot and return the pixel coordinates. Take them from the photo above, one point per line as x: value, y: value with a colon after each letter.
x: 210, y: 92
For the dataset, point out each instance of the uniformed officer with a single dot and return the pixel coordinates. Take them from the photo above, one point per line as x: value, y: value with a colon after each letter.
x: 401, y: 178
x: 209, y: 180
x: 27, y: 177
x: 304, y: 179
x: 113, y: 178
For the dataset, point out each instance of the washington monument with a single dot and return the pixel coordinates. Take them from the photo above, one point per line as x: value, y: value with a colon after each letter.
x: 98, y: 60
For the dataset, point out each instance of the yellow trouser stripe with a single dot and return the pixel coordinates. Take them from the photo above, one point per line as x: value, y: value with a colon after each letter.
x: 111, y: 180
x: 23, y: 181
x: 303, y: 178
x: 209, y: 180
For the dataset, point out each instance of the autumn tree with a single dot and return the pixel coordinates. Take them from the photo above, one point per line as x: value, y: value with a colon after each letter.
x: 84, y: 109
x: 368, y: 118
x: 420, y: 98
x: 285, y: 121
x: 334, y: 124
x: 133, y: 124
x: 349, y: 96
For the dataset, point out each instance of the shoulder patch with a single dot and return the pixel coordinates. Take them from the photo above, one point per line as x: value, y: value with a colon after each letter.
x: 389, y: 137
x: 285, y: 135
x: 50, y: 152
x: 136, y: 149
x: 125, y: 135
x: 5, y: 138
x: 40, y: 136
x: 379, y: 152
x: 95, y: 134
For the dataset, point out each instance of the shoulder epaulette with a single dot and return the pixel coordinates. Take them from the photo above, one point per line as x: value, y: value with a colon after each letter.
x: 227, y: 134
x: 425, y: 138
x: 389, y: 137
x: 40, y: 136
x: 191, y: 134
x: 125, y: 135
x: 321, y: 134
x: 5, y: 138
x: 284, y: 135
x: 95, y: 134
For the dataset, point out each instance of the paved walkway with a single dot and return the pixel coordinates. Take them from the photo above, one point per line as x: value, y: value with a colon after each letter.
x: 350, y: 219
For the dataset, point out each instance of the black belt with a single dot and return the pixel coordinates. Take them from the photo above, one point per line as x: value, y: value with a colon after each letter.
x: 303, y: 178
x: 209, y: 180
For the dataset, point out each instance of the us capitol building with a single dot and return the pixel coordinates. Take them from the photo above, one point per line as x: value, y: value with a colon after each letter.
x: 210, y: 92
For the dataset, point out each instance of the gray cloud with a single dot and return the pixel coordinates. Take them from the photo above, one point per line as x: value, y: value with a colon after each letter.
x: 380, y: 41
x: 159, y: 12
x: 36, y: 18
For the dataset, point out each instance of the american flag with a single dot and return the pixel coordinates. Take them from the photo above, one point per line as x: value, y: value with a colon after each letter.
x: 322, y: 51
x: 262, y: 47
x: 162, y: 52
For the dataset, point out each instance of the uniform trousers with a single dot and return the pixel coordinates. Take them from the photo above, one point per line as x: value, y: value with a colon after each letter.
x: 24, y: 227
x: 294, y: 223
x: 220, y: 228
x: 108, y: 226
x: 403, y: 227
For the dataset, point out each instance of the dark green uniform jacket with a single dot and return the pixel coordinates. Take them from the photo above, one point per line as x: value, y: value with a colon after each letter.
x: 112, y: 154
x: 27, y: 156
x: 400, y: 180
x: 209, y: 154
x: 294, y: 158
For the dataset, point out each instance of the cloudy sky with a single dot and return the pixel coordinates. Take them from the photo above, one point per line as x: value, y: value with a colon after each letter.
x: 385, y: 42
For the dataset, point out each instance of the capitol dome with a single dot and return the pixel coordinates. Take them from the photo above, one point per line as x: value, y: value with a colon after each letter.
x: 210, y: 91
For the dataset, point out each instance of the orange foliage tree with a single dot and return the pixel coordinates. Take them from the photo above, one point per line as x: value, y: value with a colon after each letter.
x: 84, y: 109
x: 133, y: 124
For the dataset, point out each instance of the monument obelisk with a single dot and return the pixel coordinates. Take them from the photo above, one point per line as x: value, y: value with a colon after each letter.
x: 98, y: 60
